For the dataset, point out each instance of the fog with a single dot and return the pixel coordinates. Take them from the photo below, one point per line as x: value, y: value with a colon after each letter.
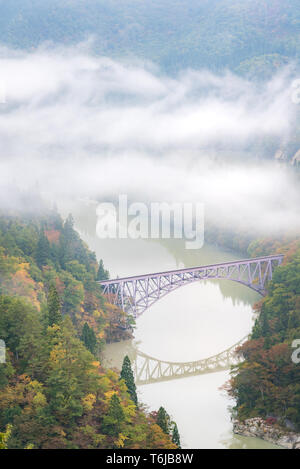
x: 78, y: 125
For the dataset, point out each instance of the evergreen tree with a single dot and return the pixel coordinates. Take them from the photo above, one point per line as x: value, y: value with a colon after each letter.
x: 102, y: 273
x: 67, y: 249
x: 163, y: 420
x: 54, y: 307
x: 127, y: 375
x: 176, y: 436
x: 42, y: 250
x: 89, y: 338
x: 265, y: 328
x: 115, y: 417
x: 69, y: 228
x: 294, y: 322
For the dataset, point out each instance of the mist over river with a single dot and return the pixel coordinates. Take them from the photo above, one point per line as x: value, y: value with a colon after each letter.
x: 192, y: 323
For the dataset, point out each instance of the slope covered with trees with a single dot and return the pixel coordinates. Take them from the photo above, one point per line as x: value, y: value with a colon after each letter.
x: 44, y: 259
x: 252, y: 37
x: 54, y: 393
x: 267, y: 383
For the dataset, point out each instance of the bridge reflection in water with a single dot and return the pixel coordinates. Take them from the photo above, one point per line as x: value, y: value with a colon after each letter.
x: 136, y: 294
x: 149, y: 370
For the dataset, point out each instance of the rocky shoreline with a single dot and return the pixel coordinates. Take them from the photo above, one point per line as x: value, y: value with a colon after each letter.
x: 259, y: 428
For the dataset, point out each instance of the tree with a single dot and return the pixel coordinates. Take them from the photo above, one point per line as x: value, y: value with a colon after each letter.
x: 69, y: 228
x: 176, y: 436
x: 102, y: 273
x: 53, y: 391
x: 54, y: 307
x: 88, y: 337
x: 71, y: 373
x: 73, y: 293
x: 169, y: 428
x: 4, y: 437
x: 42, y: 250
x: 267, y: 382
x: 294, y: 319
x: 115, y: 417
x: 127, y: 375
x: 19, y: 328
x: 163, y: 420
x: 67, y: 249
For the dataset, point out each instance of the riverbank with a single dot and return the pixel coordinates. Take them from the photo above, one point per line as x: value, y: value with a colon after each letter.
x: 259, y: 428
x: 216, y: 315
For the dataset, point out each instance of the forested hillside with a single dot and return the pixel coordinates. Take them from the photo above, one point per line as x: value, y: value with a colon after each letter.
x: 252, y: 37
x: 267, y: 383
x: 54, y: 393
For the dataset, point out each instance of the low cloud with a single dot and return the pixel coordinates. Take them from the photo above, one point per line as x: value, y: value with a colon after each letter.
x: 86, y: 126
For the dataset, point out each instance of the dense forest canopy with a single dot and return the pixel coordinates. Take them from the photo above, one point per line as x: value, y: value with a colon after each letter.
x: 249, y: 36
x: 54, y: 319
x: 54, y: 392
x: 267, y: 383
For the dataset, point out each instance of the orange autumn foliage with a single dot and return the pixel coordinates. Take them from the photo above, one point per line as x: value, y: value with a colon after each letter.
x: 21, y: 284
x: 53, y: 236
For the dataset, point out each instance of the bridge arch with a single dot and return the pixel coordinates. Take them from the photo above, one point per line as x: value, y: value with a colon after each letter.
x: 136, y: 294
x: 152, y: 301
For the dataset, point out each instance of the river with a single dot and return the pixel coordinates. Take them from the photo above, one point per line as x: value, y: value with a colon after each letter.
x: 193, y: 322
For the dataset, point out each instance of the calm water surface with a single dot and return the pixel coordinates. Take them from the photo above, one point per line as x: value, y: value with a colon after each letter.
x: 194, y: 322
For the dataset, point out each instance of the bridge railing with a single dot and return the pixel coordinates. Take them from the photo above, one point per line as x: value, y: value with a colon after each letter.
x: 136, y: 294
x: 279, y: 257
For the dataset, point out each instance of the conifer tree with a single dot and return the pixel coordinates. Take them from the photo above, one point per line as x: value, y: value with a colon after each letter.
x: 265, y: 328
x: 115, y: 417
x: 294, y: 319
x: 102, y: 274
x: 128, y: 377
x: 54, y: 307
x: 69, y: 228
x: 176, y: 436
x: 42, y: 250
x: 67, y: 249
x: 89, y: 338
x: 163, y: 420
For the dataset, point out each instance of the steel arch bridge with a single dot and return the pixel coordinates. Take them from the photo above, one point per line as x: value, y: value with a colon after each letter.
x: 136, y: 294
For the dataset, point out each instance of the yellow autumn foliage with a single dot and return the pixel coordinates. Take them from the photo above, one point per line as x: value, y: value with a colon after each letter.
x: 57, y: 354
x: 39, y: 401
x: 109, y: 394
x: 88, y: 402
x: 130, y: 412
x: 120, y: 441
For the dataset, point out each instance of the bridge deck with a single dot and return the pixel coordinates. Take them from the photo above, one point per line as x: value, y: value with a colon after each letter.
x: 190, y: 269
